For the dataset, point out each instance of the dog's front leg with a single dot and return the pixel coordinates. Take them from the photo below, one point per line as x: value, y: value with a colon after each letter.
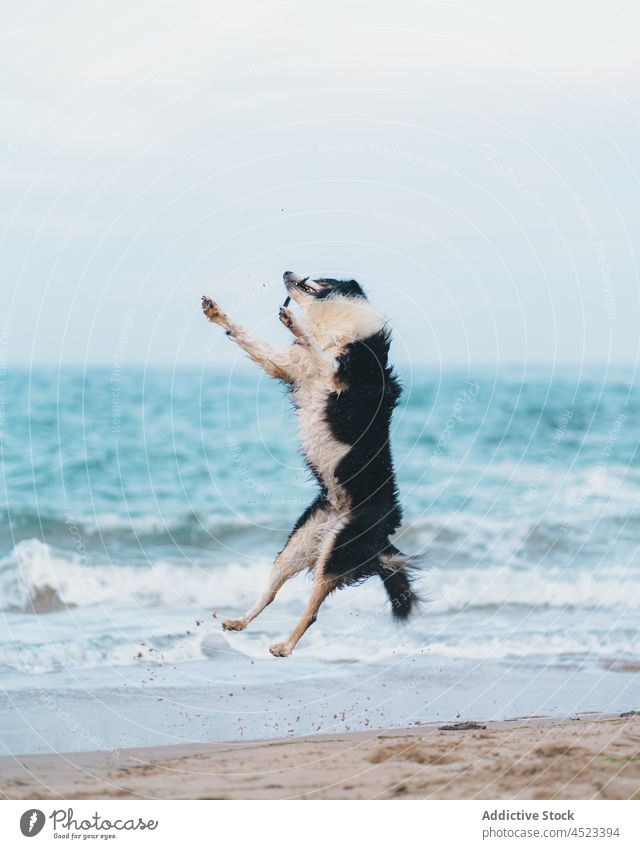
x: 321, y: 358
x: 274, y: 361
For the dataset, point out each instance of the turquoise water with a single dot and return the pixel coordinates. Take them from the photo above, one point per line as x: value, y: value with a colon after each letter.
x: 141, y: 507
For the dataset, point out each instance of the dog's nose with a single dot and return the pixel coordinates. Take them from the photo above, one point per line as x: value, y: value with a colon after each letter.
x: 287, y: 274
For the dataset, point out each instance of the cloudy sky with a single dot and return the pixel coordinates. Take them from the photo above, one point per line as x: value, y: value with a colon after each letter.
x: 475, y: 165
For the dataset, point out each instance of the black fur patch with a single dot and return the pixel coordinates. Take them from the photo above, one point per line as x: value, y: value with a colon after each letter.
x: 346, y: 288
x: 360, y: 416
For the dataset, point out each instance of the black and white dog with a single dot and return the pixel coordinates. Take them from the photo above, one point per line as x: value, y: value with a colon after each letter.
x: 344, y: 392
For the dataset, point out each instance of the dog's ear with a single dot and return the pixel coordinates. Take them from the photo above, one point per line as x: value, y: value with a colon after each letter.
x: 353, y: 289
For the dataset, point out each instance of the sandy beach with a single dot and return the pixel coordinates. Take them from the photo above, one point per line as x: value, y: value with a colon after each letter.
x: 584, y: 757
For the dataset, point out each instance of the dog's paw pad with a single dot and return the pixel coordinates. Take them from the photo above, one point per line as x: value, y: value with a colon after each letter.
x: 234, y: 625
x: 210, y: 308
x: 213, y: 311
x: 286, y: 317
x: 280, y: 650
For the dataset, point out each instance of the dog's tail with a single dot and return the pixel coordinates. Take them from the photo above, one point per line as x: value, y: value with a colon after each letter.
x: 395, y: 571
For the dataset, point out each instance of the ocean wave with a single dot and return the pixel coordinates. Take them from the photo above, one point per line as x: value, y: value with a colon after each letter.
x: 162, y: 614
x: 83, y: 653
x: 557, y: 647
x: 558, y: 516
x: 38, y: 578
x: 614, y: 588
x: 190, y: 530
x: 35, y: 577
x: 522, y: 540
x: 157, y: 655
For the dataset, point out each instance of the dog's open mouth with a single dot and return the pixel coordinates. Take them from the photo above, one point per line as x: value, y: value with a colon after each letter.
x: 293, y: 281
x: 301, y: 284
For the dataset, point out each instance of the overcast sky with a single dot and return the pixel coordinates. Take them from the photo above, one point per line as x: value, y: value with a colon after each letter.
x: 475, y: 165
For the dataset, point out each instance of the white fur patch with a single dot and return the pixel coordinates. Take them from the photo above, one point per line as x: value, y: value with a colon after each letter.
x: 320, y: 446
x: 337, y: 321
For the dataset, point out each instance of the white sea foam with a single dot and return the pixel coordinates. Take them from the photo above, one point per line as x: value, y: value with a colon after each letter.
x: 616, y: 588
x: 112, y: 607
x: 34, y: 566
x: 80, y: 652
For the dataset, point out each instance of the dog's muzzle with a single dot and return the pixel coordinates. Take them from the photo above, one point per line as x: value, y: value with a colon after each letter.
x: 288, y: 278
x: 291, y: 279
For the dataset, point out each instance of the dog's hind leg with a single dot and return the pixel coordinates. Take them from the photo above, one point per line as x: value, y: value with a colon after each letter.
x: 322, y: 587
x: 280, y: 573
x: 299, y: 553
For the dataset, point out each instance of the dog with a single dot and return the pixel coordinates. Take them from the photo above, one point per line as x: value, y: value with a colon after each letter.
x: 344, y: 392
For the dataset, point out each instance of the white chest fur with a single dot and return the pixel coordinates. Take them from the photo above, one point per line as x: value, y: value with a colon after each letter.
x: 319, y: 445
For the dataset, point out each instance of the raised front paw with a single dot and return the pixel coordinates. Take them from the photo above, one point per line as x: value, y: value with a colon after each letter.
x: 287, y: 318
x: 234, y: 625
x: 213, y: 311
x: 281, y: 649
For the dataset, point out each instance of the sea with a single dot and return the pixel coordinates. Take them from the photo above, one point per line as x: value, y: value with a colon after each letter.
x: 140, y: 507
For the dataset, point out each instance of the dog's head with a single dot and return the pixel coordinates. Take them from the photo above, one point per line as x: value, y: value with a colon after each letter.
x: 336, y: 312
x: 305, y: 291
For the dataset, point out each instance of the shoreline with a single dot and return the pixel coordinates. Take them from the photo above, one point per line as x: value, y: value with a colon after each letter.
x: 583, y: 757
